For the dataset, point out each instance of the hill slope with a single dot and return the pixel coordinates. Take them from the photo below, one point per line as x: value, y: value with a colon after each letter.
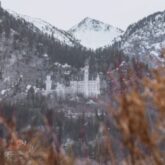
x: 60, y: 35
x: 146, y: 38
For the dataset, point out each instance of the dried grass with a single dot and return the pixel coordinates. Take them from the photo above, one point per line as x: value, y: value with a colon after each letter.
x: 140, y: 138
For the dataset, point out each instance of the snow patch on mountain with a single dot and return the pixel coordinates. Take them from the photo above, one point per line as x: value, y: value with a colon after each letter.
x: 45, y: 27
x: 95, y: 34
x: 145, y: 39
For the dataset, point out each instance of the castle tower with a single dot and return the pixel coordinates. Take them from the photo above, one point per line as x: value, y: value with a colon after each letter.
x: 48, y: 83
x: 86, y: 80
x: 98, y: 85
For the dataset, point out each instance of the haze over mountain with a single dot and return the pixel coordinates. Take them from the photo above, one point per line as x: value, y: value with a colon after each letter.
x: 144, y: 39
x: 64, y: 14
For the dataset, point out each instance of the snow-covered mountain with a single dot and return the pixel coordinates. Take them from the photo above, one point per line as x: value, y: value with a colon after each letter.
x: 146, y: 38
x: 95, y: 34
x: 28, y: 55
x: 60, y: 35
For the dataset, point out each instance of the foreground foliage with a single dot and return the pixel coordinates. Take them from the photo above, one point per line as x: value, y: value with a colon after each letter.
x: 139, y: 118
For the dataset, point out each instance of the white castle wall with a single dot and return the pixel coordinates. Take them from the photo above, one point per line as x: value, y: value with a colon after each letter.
x: 86, y: 87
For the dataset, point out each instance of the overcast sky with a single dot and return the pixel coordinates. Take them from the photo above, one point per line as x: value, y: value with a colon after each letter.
x: 66, y: 13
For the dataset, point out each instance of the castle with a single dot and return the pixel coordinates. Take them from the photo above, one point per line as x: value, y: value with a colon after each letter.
x: 86, y: 87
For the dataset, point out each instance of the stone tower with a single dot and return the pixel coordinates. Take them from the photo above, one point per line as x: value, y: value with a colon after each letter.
x: 48, y: 83
x: 86, y: 80
x: 98, y: 85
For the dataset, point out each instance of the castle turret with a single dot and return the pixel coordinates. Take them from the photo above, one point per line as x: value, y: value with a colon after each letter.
x: 98, y: 85
x: 48, y: 83
x: 86, y: 80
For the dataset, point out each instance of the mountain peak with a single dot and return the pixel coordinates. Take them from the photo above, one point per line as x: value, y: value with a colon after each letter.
x: 88, y: 19
x: 94, y: 34
x: 90, y: 23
